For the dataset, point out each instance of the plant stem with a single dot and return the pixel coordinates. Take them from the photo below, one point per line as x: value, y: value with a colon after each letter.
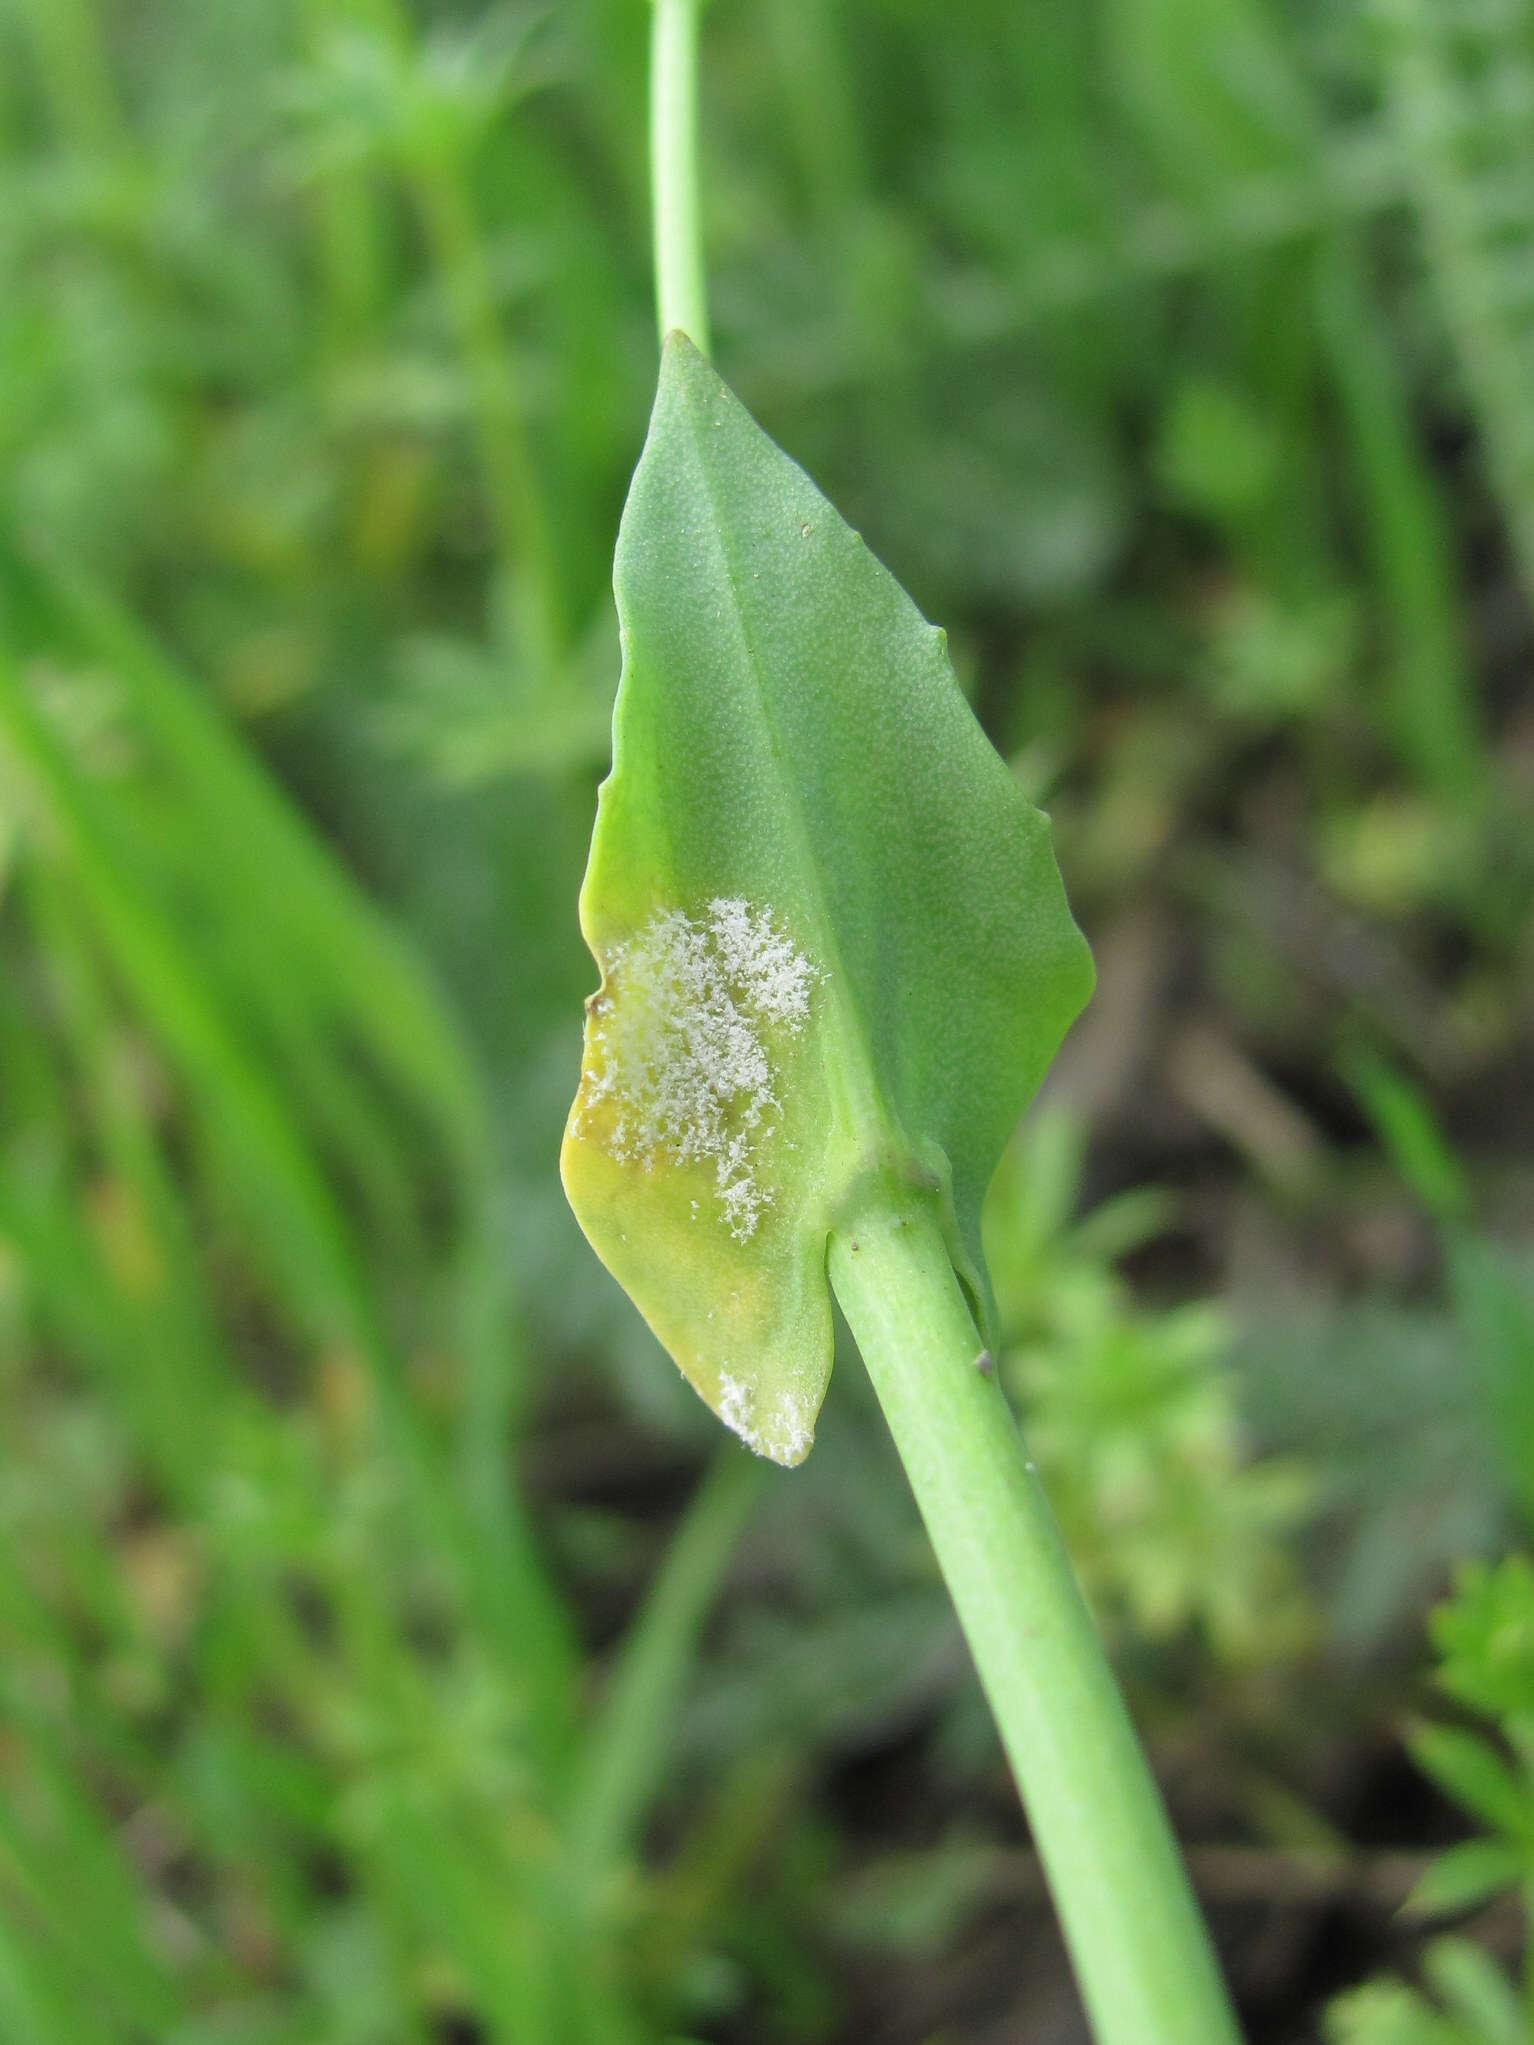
x: 629, y: 1744
x: 524, y: 541
x: 1142, y: 1957
x: 681, y: 300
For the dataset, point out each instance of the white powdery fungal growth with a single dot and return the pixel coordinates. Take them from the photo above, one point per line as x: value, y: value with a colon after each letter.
x: 784, y: 1434
x: 678, y: 1044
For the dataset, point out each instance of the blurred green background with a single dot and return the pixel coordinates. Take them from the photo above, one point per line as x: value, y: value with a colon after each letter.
x: 389, y: 1653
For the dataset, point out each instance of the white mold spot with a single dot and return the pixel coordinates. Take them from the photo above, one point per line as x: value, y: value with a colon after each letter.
x: 784, y: 1433
x: 735, y: 1404
x: 680, y: 1045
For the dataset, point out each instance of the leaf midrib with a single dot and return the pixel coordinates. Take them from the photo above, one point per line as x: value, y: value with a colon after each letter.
x: 872, y: 1128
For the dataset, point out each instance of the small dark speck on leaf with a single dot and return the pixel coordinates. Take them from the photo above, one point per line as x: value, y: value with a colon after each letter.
x: 804, y: 530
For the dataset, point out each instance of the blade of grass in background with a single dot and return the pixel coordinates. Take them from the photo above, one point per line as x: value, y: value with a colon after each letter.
x: 1460, y: 81
x: 1492, y: 1298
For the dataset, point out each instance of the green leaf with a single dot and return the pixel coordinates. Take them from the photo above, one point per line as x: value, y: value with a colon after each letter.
x: 1467, y: 1875
x: 832, y: 934
x: 1476, y: 1990
x: 1475, y: 1775
x: 1386, y: 2012
x: 1485, y: 1637
x: 1409, y: 1131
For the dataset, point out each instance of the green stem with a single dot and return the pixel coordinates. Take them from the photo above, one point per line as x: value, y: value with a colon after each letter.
x: 1142, y: 1957
x: 681, y: 300
x: 524, y: 539
x: 631, y: 1740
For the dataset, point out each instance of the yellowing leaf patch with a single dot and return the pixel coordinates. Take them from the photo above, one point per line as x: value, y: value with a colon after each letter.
x: 678, y: 1133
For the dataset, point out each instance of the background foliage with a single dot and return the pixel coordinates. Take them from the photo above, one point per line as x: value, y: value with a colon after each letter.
x: 1178, y: 355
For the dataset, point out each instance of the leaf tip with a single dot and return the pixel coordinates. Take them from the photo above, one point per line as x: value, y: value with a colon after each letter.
x: 778, y: 1425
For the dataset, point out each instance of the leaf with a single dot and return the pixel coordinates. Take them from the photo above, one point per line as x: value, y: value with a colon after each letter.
x: 1484, y: 1636
x: 1386, y: 2012
x: 833, y: 940
x: 1417, y: 1146
x: 1475, y: 1775
x: 1466, y: 1875
x: 1476, y: 1990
